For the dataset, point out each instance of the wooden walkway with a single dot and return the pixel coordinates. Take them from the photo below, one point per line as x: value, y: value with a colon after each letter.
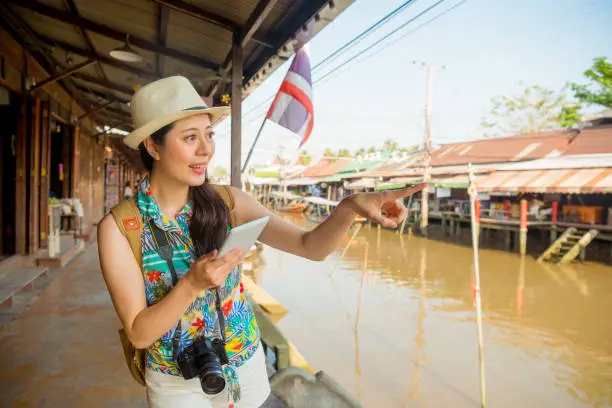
x: 64, y: 351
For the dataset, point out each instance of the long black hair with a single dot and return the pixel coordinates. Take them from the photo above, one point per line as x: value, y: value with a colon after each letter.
x: 210, y: 219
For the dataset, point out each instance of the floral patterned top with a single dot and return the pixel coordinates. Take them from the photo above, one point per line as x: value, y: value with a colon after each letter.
x: 200, y: 319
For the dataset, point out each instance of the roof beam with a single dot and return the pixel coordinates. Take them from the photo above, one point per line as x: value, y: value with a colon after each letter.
x: 194, y: 11
x: 54, y: 78
x: 110, y: 32
x: 103, y: 59
x: 162, y: 35
x: 291, y: 23
x: 256, y: 19
x: 75, y: 11
x: 204, y: 15
x: 106, y: 84
x: 96, y: 109
x: 103, y: 95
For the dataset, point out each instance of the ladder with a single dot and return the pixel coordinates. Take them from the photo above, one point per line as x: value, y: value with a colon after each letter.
x: 570, y: 245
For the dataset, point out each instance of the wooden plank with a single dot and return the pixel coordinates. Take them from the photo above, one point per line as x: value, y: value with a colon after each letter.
x: 20, y: 187
x: 45, y: 176
x: 34, y: 197
x: 76, y: 160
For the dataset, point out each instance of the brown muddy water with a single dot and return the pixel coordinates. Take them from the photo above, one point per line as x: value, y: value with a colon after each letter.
x: 405, y: 334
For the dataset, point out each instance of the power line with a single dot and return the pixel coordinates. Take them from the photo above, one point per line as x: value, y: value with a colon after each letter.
x: 408, y: 33
x: 354, y: 41
x: 366, y: 32
x: 334, y: 70
x: 329, y: 74
x: 381, y: 39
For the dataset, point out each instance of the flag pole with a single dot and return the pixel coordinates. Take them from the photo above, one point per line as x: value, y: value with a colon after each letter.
x: 472, y: 192
x: 246, y: 161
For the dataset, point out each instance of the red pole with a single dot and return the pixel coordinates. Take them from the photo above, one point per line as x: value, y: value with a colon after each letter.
x: 523, y: 224
x: 523, y: 228
x: 555, y: 211
x: 477, y: 210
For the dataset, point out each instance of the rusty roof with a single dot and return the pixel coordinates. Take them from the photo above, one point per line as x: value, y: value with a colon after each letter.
x: 592, y: 141
x: 326, y: 167
x: 505, y: 149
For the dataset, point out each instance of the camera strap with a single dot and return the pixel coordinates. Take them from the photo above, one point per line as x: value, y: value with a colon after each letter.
x: 160, y: 237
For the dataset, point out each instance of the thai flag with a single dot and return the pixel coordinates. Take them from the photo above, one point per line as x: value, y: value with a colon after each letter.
x: 292, y: 106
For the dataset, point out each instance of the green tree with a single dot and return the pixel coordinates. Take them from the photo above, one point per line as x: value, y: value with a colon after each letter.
x: 536, y: 109
x: 305, y: 157
x: 344, y: 153
x: 360, y: 152
x: 390, y: 146
x: 599, y: 90
x: 371, y: 149
x: 329, y: 153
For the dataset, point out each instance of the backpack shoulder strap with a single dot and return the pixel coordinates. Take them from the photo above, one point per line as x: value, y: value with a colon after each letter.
x: 226, y: 194
x: 128, y: 219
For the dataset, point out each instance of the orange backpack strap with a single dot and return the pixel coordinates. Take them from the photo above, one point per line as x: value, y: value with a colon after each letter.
x: 128, y: 219
x: 226, y: 194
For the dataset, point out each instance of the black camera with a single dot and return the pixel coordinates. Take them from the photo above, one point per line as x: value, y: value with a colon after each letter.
x: 205, y: 358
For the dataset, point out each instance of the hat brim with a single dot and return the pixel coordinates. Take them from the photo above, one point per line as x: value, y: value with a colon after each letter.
x: 137, y: 136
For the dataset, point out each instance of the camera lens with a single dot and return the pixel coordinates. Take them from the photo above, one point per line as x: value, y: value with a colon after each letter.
x: 212, y: 382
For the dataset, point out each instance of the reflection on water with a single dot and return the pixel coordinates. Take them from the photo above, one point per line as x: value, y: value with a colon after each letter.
x: 398, y: 329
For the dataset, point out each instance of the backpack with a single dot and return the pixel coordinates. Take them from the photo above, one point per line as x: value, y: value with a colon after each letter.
x: 128, y: 219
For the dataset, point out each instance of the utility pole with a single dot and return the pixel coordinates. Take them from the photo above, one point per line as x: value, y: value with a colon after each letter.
x: 427, y: 145
x: 427, y: 172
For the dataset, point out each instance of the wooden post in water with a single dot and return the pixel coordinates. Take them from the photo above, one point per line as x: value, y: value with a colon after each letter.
x: 523, y: 228
x: 477, y: 218
x: 472, y: 192
x: 378, y: 228
x: 554, y: 218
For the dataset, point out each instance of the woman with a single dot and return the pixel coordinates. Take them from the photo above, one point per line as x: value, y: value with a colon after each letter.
x: 176, y: 140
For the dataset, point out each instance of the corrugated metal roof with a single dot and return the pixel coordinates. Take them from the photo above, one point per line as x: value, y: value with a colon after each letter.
x: 325, y: 167
x: 563, y: 162
x: 592, y: 141
x: 505, y: 149
x: 575, y: 181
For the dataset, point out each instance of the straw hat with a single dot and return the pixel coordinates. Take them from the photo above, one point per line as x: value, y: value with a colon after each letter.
x: 162, y: 102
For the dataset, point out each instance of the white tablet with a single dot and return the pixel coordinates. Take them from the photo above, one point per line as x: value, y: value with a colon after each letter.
x: 243, y: 236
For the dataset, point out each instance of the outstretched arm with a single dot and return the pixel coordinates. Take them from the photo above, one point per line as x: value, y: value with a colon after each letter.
x: 383, y: 208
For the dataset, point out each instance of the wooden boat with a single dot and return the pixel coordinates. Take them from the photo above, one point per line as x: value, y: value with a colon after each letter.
x: 294, y: 208
x: 319, y: 208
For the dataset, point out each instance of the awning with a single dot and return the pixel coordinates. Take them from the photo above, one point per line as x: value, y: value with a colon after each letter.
x: 407, y: 180
x: 389, y: 185
x: 331, y: 179
x: 321, y: 201
x: 459, y: 181
x: 579, y: 181
x: 362, y: 183
x: 287, y: 195
x: 258, y: 181
x: 300, y: 182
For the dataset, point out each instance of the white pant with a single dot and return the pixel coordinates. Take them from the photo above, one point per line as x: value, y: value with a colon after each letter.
x: 170, y: 391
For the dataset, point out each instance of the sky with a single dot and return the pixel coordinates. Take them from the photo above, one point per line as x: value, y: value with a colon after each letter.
x: 486, y: 48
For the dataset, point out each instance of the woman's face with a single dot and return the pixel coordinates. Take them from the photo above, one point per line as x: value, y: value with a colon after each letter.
x: 187, y: 150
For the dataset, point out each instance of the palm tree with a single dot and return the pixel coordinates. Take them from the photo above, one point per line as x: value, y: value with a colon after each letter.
x: 344, y: 153
x: 390, y: 145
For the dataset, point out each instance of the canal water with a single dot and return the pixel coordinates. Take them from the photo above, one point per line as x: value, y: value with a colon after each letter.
x: 398, y: 330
